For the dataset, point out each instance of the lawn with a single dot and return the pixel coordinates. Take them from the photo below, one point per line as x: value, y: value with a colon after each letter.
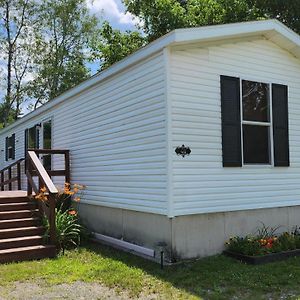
x: 217, y: 277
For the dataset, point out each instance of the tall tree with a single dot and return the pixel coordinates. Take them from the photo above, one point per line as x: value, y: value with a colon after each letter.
x: 161, y: 16
x: 65, y: 30
x: 16, y: 31
x: 287, y: 11
x: 111, y: 45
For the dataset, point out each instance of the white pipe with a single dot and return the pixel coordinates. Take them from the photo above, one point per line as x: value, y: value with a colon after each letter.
x: 123, y: 244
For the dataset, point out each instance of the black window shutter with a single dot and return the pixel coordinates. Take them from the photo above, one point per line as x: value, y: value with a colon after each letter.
x: 280, y: 125
x: 25, y: 141
x: 231, y: 121
x: 25, y: 147
x: 13, y: 145
x: 6, y: 148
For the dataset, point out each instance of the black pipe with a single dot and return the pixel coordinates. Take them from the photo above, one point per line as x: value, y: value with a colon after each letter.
x: 161, y: 259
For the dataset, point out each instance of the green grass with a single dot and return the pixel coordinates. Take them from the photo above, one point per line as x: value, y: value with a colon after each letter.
x: 216, y: 277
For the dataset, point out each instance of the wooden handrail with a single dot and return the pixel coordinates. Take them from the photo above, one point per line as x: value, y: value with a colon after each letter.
x: 41, y: 172
x: 34, y: 167
x: 10, y: 180
x: 12, y: 165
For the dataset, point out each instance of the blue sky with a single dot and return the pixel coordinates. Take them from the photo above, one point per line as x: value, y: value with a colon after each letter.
x: 114, y: 12
x: 111, y: 10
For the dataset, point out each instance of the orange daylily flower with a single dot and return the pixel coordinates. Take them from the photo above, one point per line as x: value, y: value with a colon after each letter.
x: 43, y: 189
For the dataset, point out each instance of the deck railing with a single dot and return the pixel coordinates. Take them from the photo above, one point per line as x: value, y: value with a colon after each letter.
x: 35, y: 168
x: 11, y: 174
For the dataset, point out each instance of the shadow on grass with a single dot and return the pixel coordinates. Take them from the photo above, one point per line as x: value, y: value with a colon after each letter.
x: 218, y: 277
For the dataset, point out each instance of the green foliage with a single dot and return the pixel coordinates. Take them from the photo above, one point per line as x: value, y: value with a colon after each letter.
x: 68, y: 228
x: 112, y: 45
x: 62, y: 42
x: 161, y: 16
x: 264, y: 242
x: 216, y: 277
x: 17, y: 27
x: 3, y: 118
x: 247, y: 245
x: 287, y: 11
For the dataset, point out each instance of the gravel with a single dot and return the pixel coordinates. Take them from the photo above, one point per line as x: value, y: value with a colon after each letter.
x: 77, y: 290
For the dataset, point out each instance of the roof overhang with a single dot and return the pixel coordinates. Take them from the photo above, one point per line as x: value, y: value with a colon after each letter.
x: 272, y: 30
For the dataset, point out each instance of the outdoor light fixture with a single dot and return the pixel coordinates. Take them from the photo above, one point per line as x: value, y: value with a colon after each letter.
x: 183, y: 150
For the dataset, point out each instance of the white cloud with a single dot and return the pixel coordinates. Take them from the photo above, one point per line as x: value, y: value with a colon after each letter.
x: 110, y: 10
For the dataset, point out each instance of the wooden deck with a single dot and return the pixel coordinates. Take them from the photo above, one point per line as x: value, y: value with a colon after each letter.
x: 12, y: 194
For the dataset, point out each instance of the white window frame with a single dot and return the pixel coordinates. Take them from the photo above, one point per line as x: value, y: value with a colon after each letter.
x: 266, y: 124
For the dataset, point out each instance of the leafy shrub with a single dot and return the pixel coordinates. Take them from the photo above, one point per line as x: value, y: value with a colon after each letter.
x: 69, y: 231
x: 264, y: 242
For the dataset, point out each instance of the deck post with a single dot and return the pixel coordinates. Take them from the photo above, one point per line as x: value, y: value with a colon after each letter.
x: 2, y: 180
x: 52, y: 223
x: 19, y: 175
x: 9, y: 178
x: 67, y: 167
x: 29, y: 170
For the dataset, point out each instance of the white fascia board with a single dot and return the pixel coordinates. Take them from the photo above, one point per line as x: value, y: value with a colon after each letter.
x: 234, y: 30
x: 132, y: 59
x: 289, y: 40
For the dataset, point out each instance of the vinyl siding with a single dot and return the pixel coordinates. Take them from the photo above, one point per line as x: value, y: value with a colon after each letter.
x: 116, y: 134
x: 200, y: 183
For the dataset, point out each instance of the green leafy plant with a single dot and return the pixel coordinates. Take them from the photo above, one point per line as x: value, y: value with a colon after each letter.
x: 69, y: 230
x: 264, y: 242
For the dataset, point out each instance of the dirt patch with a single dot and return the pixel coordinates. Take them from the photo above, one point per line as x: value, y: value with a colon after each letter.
x: 77, y: 290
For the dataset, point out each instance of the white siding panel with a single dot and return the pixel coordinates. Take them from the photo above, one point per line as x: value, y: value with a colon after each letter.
x: 200, y: 182
x: 116, y: 132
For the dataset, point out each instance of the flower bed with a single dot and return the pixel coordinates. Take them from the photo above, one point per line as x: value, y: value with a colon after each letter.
x: 265, y: 246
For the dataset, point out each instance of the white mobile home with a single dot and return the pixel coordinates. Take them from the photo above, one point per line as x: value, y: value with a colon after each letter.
x: 229, y: 93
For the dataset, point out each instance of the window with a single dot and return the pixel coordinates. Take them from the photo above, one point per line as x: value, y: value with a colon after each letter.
x: 256, y: 122
x: 33, y: 137
x: 10, y: 147
x: 47, y: 143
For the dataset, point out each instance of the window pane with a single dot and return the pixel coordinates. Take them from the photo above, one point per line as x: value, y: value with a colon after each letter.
x: 256, y: 144
x: 47, y: 144
x: 47, y: 135
x: 255, y: 101
x: 32, y: 138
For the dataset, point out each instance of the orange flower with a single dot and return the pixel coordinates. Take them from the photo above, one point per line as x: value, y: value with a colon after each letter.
x: 72, y: 212
x: 43, y: 189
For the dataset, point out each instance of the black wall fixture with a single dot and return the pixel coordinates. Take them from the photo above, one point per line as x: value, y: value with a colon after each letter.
x: 183, y: 150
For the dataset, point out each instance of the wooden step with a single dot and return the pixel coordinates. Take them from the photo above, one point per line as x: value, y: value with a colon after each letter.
x: 27, y: 253
x: 25, y: 241
x: 5, y: 215
x: 14, y: 223
x: 17, y: 206
x: 21, y: 232
x: 13, y: 200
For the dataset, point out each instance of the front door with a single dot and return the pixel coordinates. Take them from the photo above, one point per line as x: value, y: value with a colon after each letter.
x: 47, y: 143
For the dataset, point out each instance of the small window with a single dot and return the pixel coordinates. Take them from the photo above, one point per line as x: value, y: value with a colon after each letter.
x: 10, y: 147
x: 256, y: 122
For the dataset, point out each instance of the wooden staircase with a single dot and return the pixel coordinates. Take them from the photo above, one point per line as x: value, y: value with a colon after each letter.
x: 21, y: 233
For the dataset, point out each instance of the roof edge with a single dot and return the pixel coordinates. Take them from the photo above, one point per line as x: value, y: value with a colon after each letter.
x: 177, y: 36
